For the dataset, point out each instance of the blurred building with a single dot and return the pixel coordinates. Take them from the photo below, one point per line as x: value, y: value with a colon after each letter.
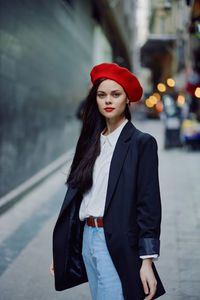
x: 171, y: 49
x: 47, y: 49
x: 165, y: 52
x: 167, y: 39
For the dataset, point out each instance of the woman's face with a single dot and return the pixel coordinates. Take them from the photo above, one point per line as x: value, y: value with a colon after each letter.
x: 111, y: 99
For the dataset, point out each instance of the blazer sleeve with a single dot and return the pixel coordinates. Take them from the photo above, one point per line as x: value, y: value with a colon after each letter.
x: 148, y: 198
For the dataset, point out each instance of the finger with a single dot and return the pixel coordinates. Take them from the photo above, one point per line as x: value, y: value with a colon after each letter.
x: 52, y: 270
x: 149, y: 297
x: 145, y: 286
x: 152, y: 286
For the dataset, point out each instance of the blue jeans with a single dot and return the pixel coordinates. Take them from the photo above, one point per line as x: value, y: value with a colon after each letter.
x: 103, y: 278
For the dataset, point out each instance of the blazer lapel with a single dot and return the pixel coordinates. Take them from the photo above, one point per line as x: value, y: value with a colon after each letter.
x: 118, y: 158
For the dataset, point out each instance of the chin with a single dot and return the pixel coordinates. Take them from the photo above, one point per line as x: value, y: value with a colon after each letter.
x: 109, y: 115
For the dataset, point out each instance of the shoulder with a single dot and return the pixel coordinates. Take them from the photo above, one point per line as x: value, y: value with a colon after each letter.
x: 144, y: 139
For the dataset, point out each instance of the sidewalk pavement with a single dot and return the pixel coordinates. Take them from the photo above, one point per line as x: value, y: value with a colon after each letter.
x: 26, y: 231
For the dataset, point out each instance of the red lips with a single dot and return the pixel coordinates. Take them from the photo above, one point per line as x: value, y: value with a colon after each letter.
x: 109, y: 109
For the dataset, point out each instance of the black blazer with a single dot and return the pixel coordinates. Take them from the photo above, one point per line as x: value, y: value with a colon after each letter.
x: 131, y: 220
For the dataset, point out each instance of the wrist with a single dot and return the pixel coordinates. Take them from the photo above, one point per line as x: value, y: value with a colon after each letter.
x: 147, y: 261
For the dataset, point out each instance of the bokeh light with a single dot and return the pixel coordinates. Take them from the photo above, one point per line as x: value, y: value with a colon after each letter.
x: 153, y: 99
x: 181, y: 99
x: 170, y: 82
x: 159, y: 106
x: 197, y: 92
x: 149, y: 103
x: 157, y: 95
x: 161, y: 87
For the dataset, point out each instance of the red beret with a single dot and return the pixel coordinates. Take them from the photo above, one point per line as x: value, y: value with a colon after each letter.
x: 123, y: 76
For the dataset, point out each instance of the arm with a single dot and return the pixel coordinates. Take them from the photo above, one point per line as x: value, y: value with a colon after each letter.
x: 148, y: 199
x: 148, y: 213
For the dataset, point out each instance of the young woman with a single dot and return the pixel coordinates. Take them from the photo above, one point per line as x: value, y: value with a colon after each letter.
x: 108, y: 228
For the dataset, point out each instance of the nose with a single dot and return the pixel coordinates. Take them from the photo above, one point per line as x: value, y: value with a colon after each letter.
x: 108, y: 99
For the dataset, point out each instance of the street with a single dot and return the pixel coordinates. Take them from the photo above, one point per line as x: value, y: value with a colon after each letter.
x: 26, y: 231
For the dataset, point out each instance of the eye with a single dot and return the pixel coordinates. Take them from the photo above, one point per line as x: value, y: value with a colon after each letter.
x: 116, y: 95
x: 100, y: 95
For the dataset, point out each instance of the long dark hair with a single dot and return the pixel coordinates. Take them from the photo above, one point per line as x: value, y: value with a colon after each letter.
x: 88, y: 145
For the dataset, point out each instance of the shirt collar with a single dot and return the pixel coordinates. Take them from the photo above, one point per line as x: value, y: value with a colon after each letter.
x: 113, y: 136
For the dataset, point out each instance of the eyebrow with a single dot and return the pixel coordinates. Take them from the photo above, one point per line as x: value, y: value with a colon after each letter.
x: 111, y: 91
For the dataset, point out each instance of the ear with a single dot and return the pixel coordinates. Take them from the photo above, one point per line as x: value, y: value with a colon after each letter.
x: 127, y: 101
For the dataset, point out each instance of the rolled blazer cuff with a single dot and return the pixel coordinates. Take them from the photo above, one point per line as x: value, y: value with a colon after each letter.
x: 148, y: 246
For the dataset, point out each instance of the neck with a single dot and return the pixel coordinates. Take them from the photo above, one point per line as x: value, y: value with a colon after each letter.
x: 112, y: 124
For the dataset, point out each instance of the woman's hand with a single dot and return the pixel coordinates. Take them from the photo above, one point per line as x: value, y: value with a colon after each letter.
x: 52, y: 268
x: 148, y: 278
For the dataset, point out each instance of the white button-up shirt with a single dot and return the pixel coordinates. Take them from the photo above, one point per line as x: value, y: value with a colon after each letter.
x: 93, y: 202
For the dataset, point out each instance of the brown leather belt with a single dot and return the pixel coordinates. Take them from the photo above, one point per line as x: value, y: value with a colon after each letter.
x: 90, y: 221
